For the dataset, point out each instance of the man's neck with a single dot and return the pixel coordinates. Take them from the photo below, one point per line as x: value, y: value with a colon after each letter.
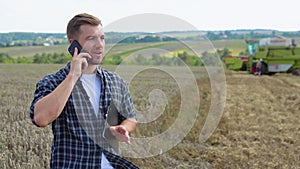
x: 91, y: 69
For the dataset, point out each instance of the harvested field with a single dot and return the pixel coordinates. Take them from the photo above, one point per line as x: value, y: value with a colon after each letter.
x: 259, y: 127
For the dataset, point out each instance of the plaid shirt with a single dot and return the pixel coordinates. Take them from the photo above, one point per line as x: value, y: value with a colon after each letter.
x: 78, y: 141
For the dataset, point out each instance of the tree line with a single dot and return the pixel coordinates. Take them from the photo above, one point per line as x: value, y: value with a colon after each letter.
x: 50, y: 58
x: 178, y: 59
x: 251, y: 34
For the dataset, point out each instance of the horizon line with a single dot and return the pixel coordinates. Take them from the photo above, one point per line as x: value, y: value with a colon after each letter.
x: 245, y: 29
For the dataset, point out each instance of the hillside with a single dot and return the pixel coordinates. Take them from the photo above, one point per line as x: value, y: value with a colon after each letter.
x: 49, y: 39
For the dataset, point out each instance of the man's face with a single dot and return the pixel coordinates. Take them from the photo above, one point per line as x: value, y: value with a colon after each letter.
x: 91, y: 39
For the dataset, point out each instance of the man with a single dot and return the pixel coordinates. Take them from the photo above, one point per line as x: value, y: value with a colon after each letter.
x: 259, y: 67
x: 75, y: 100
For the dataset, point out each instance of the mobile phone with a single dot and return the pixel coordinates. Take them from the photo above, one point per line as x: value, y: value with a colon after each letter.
x: 74, y: 44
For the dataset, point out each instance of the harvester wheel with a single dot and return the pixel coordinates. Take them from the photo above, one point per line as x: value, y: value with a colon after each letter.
x: 264, y: 68
x: 295, y: 72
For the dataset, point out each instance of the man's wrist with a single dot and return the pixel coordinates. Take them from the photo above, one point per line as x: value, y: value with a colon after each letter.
x: 72, y: 78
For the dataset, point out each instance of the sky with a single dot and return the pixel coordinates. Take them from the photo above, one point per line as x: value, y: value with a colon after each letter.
x: 52, y: 16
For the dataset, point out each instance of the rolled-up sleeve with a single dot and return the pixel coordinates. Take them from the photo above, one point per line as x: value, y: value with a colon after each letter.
x: 121, y: 97
x: 128, y: 108
x: 43, y: 88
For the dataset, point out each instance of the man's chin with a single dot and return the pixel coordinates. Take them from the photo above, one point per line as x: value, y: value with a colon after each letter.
x: 94, y: 62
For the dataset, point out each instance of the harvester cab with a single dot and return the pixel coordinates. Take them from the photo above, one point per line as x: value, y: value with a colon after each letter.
x: 252, y: 46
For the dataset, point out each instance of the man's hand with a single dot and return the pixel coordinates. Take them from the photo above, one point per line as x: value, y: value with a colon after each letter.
x: 79, y: 63
x: 120, y: 133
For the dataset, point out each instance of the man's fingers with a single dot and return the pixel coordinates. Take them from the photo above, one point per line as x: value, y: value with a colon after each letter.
x: 121, y: 130
x: 84, y: 64
x: 75, y: 51
x: 128, y: 138
x: 121, y: 134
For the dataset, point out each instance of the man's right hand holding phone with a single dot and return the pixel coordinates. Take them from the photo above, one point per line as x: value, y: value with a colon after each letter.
x: 79, y: 64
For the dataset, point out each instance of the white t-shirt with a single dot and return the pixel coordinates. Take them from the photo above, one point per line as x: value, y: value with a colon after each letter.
x: 91, y: 84
x: 105, y: 163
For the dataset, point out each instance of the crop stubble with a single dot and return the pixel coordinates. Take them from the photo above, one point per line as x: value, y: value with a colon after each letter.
x: 259, y: 128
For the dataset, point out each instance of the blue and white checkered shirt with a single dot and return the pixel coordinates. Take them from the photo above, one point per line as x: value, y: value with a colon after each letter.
x: 78, y: 141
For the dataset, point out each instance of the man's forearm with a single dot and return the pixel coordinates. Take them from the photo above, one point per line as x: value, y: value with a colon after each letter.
x: 49, y: 108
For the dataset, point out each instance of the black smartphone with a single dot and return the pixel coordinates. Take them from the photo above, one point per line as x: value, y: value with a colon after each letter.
x: 74, y: 44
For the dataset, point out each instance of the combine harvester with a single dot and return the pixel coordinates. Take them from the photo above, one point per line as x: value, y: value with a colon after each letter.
x: 277, y: 55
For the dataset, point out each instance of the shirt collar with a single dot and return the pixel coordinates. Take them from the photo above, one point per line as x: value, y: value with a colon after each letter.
x: 99, y: 69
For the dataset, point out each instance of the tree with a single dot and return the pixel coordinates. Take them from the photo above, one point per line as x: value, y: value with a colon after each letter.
x: 24, y: 60
x: 223, y: 52
x: 4, y: 58
x: 141, y: 60
x: 183, y: 56
x: 210, y: 59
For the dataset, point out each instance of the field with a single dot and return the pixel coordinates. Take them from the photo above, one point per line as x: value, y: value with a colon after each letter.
x: 259, y: 127
x: 236, y: 46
